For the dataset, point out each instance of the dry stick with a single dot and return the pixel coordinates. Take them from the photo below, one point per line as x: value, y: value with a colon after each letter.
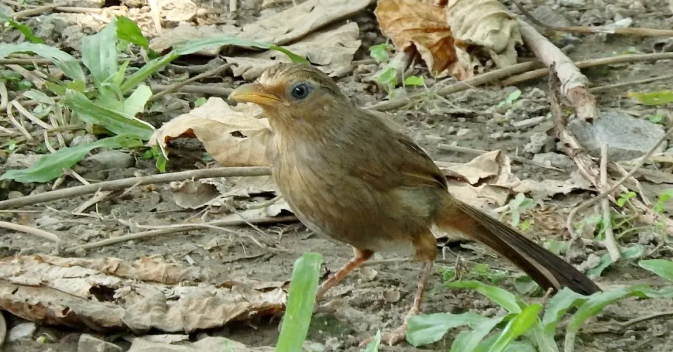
x: 647, y: 32
x: 610, y: 242
x: 146, y: 234
x: 573, y: 82
x: 156, y: 16
x: 198, y: 89
x: 30, y: 230
x: 128, y: 182
x: 33, y: 12
x: 4, y: 97
x: 173, y: 87
x: 453, y: 148
x: 460, y: 86
x: 629, y: 84
x: 514, y: 80
x: 613, y: 188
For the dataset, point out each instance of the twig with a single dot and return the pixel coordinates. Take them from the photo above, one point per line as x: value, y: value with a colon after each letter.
x: 629, y: 84
x: 610, y: 242
x: 645, y: 32
x: 482, y: 79
x: 454, y: 148
x: 147, y: 234
x: 33, y: 12
x: 233, y: 6
x: 30, y: 116
x: 573, y: 84
x: 175, y: 86
x: 156, y: 16
x: 128, y: 182
x: 634, y: 321
x: 4, y: 97
x: 608, y: 192
x: 16, y: 123
x: 198, y: 89
x: 514, y: 80
x: 30, y: 230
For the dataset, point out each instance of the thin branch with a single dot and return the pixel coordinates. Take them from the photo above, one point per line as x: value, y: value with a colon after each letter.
x: 176, y: 86
x: 128, y: 182
x: 209, y: 89
x: 630, y: 84
x: 610, y: 242
x: 186, y: 228
x: 30, y: 230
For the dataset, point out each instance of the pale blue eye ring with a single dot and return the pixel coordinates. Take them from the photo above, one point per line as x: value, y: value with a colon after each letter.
x: 300, y: 90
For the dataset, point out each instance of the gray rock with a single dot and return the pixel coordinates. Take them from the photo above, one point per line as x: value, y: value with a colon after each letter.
x: 82, y: 139
x: 669, y: 151
x: 108, y: 159
x: 88, y: 343
x: 627, y: 137
x: 21, y: 331
x: 561, y: 161
x: 14, y: 195
x: 538, y: 142
x: 22, y: 161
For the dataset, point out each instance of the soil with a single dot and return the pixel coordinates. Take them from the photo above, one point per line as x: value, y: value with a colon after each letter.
x: 362, y: 296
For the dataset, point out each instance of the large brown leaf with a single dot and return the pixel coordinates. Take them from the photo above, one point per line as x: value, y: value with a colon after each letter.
x: 234, y: 136
x: 414, y: 23
x: 110, y: 294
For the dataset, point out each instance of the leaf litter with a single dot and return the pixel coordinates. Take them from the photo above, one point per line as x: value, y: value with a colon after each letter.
x: 112, y: 295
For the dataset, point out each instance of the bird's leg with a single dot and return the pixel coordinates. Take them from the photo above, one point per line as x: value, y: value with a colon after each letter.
x: 400, y: 333
x: 359, y: 257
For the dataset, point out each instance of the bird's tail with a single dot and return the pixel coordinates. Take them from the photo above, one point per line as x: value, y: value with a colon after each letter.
x: 547, y: 269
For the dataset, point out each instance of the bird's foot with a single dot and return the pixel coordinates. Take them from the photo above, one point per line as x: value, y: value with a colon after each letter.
x: 396, y: 336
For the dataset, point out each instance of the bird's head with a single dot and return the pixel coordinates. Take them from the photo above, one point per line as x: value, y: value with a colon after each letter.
x: 294, y: 93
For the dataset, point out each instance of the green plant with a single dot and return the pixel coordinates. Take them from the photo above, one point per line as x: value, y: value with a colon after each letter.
x: 387, y: 76
x: 114, y: 95
x: 516, y: 206
x: 511, y: 98
x: 522, y: 328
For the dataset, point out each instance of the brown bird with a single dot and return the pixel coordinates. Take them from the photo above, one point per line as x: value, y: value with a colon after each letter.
x: 349, y: 177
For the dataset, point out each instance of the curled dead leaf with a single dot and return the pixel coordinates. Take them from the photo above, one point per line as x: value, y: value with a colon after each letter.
x: 486, y: 23
x: 234, y: 136
x: 421, y: 25
x: 109, y: 294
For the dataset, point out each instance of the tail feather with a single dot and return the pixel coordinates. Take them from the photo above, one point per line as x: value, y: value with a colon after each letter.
x: 547, y: 269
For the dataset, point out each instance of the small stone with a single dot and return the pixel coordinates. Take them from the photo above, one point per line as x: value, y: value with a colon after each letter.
x: 314, y: 346
x: 82, y: 139
x: 80, y: 252
x: 539, y: 141
x: 109, y: 159
x: 14, y: 195
x: 560, y: 161
x: 22, y: 161
x: 333, y: 344
x: 497, y: 135
x: 626, y: 137
x: 88, y: 343
x: 393, y: 295
x: 201, y: 12
x: 528, y: 123
x: 572, y: 3
x: 462, y: 132
x: 21, y: 331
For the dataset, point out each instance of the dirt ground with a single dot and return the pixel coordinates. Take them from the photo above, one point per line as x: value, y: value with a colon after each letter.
x: 365, y: 292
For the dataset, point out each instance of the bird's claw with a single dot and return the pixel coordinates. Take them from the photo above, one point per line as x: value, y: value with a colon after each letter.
x: 391, y: 338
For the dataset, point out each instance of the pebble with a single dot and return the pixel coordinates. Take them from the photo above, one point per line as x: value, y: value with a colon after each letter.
x: 21, y: 331
x: 462, y: 132
x: 14, y: 195
x: 88, y: 343
x: 109, y: 159
x: 560, y: 161
x: 82, y: 139
x: 538, y: 142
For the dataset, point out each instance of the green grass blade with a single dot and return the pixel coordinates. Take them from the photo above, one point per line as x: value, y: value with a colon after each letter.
x: 99, y: 53
x: 558, y: 306
x: 597, y: 302
x: 129, y: 31
x: 469, y: 340
x: 303, y: 288
x: 430, y: 328
x: 61, y: 59
x: 192, y: 46
x: 661, y: 267
x: 25, y: 30
x: 52, y: 165
x: 375, y: 344
x: 503, y: 298
x: 517, y: 327
x: 115, y: 121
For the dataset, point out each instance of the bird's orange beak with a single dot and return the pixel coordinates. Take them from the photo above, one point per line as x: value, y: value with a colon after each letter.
x: 253, y: 93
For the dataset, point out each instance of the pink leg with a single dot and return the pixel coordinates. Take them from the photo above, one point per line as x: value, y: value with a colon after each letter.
x: 398, y: 335
x: 359, y: 257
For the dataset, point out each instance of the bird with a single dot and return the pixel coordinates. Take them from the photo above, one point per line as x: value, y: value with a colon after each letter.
x: 351, y: 178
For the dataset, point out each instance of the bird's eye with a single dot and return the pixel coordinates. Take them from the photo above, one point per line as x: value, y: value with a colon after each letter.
x: 300, y: 90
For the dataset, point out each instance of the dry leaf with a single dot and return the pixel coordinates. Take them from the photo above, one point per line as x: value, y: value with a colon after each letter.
x: 282, y: 28
x: 234, y: 136
x: 192, y: 194
x: 423, y: 25
x: 209, y: 343
x: 110, y: 294
x: 331, y: 49
x: 483, y: 166
x: 486, y: 23
x: 549, y: 188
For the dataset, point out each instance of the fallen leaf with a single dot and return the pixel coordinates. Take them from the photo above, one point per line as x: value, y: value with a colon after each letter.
x: 192, y: 194
x: 234, y: 136
x: 209, y: 343
x: 483, y: 166
x: 185, y: 31
x: 422, y: 25
x: 488, y: 24
x: 109, y: 294
x: 549, y: 188
x: 331, y: 49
